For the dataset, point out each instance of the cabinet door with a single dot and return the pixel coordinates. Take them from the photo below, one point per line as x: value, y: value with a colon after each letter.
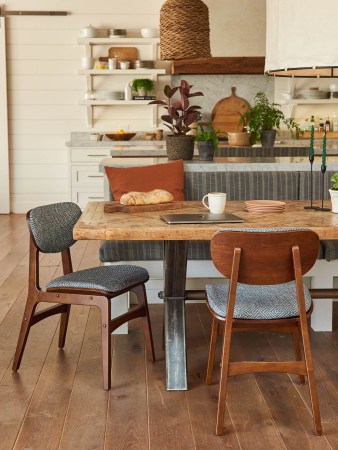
x: 87, y: 176
x: 82, y: 196
x: 88, y: 154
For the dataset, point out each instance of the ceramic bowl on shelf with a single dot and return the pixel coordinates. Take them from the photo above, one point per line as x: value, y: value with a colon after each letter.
x: 120, y: 136
x: 149, y: 32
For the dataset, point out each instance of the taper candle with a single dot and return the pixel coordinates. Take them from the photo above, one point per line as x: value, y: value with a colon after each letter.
x: 311, y: 152
x: 324, y: 151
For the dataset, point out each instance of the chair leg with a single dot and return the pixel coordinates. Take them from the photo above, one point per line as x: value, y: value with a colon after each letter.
x: 311, y: 378
x: 24, y: 331
x: 105, y: 308
x: 212, y: 350
x: 146, y: 325
x: 298, y: 353
x: 63, y: 327
x: 223, y: 381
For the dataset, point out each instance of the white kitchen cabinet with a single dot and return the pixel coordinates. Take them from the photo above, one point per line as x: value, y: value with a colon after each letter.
x: 103, y: 44
x: 86, y: 182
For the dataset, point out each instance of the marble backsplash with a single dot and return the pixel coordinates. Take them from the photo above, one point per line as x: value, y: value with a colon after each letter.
x: 216, y: 87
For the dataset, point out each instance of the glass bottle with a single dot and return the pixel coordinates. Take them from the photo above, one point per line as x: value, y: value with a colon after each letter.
x: 327, y: 124
x: 312, y: 123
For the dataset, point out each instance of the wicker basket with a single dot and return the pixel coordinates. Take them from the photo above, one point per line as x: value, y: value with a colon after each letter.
x: 184, y: 30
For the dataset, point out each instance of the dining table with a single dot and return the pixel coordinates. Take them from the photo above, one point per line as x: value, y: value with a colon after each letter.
x: 96, y: 224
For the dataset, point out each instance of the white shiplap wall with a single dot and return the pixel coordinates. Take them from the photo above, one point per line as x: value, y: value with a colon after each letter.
x: 44, y: 87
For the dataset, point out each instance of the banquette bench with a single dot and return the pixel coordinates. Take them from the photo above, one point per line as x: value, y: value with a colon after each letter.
x: 246, y: 185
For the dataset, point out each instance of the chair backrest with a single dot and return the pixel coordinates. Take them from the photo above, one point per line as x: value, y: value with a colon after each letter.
x: 51, y: 226
x: 266, y: 254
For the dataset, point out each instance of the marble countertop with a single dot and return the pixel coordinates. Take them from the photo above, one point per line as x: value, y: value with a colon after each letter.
x: 244, y: 164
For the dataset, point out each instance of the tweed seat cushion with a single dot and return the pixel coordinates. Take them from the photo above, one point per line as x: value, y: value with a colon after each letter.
x: 105, y: 278
x: 256, y: 301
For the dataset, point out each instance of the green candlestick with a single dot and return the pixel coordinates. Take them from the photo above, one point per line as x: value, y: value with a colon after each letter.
x: 324, y: 151
x: 311, y: 152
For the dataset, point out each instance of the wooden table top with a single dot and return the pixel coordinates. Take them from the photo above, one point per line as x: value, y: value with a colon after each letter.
x: 96, y: 224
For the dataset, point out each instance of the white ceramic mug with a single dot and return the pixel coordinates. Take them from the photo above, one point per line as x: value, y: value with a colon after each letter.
x: 216, y: 202
x: 112, y: 63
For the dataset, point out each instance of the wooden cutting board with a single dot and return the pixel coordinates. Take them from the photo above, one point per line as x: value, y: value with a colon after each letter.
x: 111, y: 207
x: 227, y: 112
x: 121, y: 54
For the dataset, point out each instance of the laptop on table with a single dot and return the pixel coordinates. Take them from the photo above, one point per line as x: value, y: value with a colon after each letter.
x: 173, y: 219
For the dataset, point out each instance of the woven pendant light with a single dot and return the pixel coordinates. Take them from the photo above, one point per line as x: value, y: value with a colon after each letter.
x: 184, y: 30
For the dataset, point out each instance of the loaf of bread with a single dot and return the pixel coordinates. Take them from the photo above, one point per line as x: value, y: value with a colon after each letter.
x: 153, y: 197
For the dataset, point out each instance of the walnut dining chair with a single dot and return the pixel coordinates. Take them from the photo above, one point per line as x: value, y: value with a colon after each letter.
x: 264, y: 291
x: 51, y: 231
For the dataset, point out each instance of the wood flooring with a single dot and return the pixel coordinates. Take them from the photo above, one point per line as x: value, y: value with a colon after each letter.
x: 56, y: 400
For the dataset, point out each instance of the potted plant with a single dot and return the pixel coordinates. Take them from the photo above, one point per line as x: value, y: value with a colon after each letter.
x: 263, y: 120
x: 179, y: 117
x: 142, y: 86
x: 207, y: 142
x: 334, y: 192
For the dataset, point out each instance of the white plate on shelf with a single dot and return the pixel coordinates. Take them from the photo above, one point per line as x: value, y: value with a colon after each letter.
x: 312, y: 94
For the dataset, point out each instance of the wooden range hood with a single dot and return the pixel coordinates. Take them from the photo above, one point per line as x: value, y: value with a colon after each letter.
x: 232, y: 65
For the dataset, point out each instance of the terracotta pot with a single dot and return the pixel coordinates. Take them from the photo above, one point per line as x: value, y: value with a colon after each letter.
x: 180, y: 147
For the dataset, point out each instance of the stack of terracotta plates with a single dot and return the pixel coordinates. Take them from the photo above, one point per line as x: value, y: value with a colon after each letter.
x: 264, y: 206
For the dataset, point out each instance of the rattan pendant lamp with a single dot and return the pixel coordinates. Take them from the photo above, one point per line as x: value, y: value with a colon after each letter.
x: 184, y: 30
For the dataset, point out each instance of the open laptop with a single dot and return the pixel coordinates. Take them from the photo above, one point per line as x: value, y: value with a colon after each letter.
x: 201, y: 218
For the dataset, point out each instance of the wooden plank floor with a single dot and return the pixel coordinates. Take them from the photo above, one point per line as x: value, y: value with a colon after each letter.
x: 56, y: 400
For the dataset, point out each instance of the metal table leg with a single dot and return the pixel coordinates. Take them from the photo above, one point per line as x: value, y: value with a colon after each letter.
x: 175, y: 268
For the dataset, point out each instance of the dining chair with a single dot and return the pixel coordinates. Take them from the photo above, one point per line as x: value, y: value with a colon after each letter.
x: 264, y: 290
x: 51, y: 231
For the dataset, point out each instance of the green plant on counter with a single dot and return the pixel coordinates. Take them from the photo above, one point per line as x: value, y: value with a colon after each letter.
x: 179, y: 113
x: 142, y: 84
x: 265, y: 115
x: 334, y: 181
x: 207, y: 134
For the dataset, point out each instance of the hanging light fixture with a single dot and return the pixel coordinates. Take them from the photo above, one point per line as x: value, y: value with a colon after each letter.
x: 184, y: 30
x: 302, y: 38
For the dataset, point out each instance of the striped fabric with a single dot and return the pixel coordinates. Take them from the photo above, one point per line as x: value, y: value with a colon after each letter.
x: 305, y: 185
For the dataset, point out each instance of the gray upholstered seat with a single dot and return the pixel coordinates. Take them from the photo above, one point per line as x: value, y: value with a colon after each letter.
x: 106, y: 278
x: 257, y: 302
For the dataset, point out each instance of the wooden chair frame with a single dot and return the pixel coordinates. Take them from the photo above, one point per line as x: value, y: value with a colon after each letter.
x: 294, y: 324
x: 67, y: 297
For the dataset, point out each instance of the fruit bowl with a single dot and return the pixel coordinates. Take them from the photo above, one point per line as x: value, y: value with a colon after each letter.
x: 120, y: 136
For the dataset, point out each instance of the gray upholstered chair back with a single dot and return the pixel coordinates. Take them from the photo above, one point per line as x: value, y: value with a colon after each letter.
x: 52, y: 226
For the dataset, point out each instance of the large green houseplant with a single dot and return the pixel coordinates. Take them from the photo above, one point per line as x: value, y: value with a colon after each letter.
x: 264, y: 117
x: 180, y: 115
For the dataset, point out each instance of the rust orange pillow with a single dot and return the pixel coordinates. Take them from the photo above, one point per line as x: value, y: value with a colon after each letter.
x: 168, y: 176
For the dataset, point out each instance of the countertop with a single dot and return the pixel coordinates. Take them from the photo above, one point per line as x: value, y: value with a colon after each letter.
x: 245, y: 164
